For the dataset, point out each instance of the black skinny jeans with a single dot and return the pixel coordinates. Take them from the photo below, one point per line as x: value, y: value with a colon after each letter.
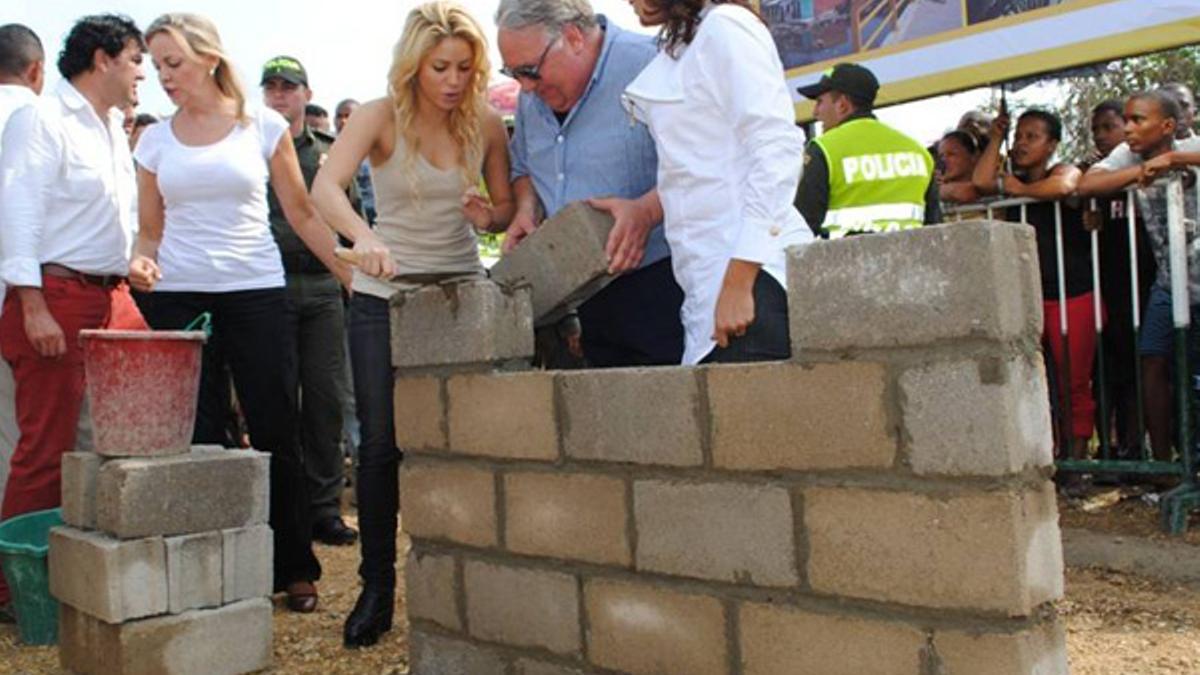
x: 246, y: 334
x: 378, y: 456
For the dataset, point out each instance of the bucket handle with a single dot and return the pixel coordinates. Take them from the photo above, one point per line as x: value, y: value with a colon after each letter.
x: 203, y: 321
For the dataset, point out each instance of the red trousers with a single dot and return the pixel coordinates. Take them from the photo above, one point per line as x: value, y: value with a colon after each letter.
x: 1081, y: 348
x: 49, y: 391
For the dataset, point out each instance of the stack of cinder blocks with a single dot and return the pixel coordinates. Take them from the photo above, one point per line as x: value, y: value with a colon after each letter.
x: 879, y: 504
x: 164, y: 565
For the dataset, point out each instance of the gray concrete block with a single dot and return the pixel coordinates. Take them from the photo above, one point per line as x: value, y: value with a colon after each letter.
x: 639, y: 415
x: 194, y: 575
x: 985, y: 417
x: 112, y: 580
x: 226, y: 641
x: 563, y: 261
x: 436, y: 655
x: 522, y: 607
x: 430, y: 590
x: 463, y: 322
x: 720, y: 531
x: 975, y: 279
x: 201, y: 491
x: 79, y: 471
x: 246, y: 569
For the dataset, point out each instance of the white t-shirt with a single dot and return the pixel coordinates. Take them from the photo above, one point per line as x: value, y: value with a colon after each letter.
x: 216, y: 236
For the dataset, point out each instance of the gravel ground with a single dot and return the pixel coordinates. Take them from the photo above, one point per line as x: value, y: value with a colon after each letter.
x: 1117, y: 624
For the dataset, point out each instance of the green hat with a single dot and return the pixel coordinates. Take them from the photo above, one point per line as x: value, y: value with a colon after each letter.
x: 285, y: 68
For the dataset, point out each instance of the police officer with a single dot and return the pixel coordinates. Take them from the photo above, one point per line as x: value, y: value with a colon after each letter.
x: 861, y: 175
x: 315, y: 314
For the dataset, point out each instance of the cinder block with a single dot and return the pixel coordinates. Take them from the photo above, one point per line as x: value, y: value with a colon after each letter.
x: 985, y: 417
x: 975, y: 279
x: 996, y: 551
x: 420, y: 414
x: 110, y: 579
x: 464, y: 322
x: 563, y: 261
x: 721, y: 531
x: 194, y: 574
x: 531, y: 667
x: 572, y: 517
x: 430, y: 591
x: 647, y: 630
x: 788, y: 416
x: 201, y: 491
x: 503, y: 415
x: 638, y: 415
x: 436, y: 655
x: 522, y: 607
x: 447, y: 502
x: 785, y: 640
x: 1040, y: 650
x: 246, y: 557
x: 226, y: 641
x: 79, y: 471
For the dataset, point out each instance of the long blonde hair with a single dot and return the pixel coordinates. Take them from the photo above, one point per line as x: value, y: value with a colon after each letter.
x: 198, y: 37
x: 425, y: 28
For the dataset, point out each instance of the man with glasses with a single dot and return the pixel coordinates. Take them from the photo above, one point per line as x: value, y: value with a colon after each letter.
x: 572, y: 141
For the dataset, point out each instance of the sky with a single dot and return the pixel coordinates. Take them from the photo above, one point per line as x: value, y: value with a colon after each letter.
x: 346, y: 45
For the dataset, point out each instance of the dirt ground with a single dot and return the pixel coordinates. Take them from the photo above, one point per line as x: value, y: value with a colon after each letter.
x: 1117, y: 624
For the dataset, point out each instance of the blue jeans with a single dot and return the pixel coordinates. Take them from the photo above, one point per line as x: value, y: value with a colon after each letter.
x: 767, y: 339
x: 378, y: 457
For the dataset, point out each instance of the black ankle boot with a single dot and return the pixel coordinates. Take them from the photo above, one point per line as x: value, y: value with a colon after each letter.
x: 370, y: 618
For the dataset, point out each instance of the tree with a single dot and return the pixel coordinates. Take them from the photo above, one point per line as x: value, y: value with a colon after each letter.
x: 1117, y: 80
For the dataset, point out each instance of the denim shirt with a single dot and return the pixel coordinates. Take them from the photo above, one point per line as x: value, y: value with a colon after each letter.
x: 597, y: 151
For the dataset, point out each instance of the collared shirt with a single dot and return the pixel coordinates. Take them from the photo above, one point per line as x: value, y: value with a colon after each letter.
x: 729, y: 159
x: 1152, y: 207
x: 596, y: 151
x: 312, y: 148
x: 13, y: 97
x: 66, y: 189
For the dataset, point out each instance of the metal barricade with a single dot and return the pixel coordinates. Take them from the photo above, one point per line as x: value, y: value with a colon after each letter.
x: 1179, y: 501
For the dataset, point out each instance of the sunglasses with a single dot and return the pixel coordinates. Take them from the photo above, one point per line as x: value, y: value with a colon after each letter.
x: 528, y: 71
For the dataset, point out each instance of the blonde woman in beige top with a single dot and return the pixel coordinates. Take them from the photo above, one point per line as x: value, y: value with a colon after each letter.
x: 428, y: 142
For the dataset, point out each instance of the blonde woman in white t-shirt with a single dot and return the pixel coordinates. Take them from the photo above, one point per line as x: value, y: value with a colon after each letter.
x: 205, y: 245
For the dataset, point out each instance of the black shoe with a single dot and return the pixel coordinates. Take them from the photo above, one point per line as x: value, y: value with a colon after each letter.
x: 370, y: 618
x: 7, y: 615
x: 334, y: 532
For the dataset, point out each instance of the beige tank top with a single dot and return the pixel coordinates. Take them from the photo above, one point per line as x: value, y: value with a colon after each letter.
x: 425, y: 228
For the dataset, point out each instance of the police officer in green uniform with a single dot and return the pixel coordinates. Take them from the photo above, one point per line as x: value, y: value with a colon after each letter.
x: 861, y: 175
x: 315, y: 313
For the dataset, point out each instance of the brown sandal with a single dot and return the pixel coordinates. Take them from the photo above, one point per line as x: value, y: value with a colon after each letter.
x: 302, y: 597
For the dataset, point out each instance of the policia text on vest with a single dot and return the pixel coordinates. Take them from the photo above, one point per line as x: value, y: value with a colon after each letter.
x: 878, y: 178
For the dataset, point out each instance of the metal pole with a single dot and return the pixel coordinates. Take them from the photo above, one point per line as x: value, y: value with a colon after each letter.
x: 1177, y: 245
x: 1065, y: 366
x: 1130, y: 212
x: 1098, y: 313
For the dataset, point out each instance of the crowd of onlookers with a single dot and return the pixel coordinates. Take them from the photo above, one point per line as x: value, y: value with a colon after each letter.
x: 1135, y: 143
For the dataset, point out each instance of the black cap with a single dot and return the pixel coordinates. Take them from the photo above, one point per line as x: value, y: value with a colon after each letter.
x: 285, y: 68
x: 848, y: 78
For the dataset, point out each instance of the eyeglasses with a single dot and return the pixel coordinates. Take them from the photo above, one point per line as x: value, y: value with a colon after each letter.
x: 529, y: 72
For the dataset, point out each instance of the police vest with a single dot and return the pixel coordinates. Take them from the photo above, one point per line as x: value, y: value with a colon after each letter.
x: 877, y: 178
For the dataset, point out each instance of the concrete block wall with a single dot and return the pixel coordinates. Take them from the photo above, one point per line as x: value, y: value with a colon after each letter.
x: 164, y: 564
x: 879, y: 504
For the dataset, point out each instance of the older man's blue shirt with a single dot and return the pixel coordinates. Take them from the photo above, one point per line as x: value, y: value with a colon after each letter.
x: 598, y: 150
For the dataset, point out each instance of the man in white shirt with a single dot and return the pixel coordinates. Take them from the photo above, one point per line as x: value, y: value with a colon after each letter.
x: 22, y: 74
x: 66, y: 185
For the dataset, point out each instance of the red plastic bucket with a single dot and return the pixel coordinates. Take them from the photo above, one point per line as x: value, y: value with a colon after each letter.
x: 142, y: 388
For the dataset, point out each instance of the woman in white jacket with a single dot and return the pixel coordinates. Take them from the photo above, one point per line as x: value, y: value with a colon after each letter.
x: 723, y: 122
